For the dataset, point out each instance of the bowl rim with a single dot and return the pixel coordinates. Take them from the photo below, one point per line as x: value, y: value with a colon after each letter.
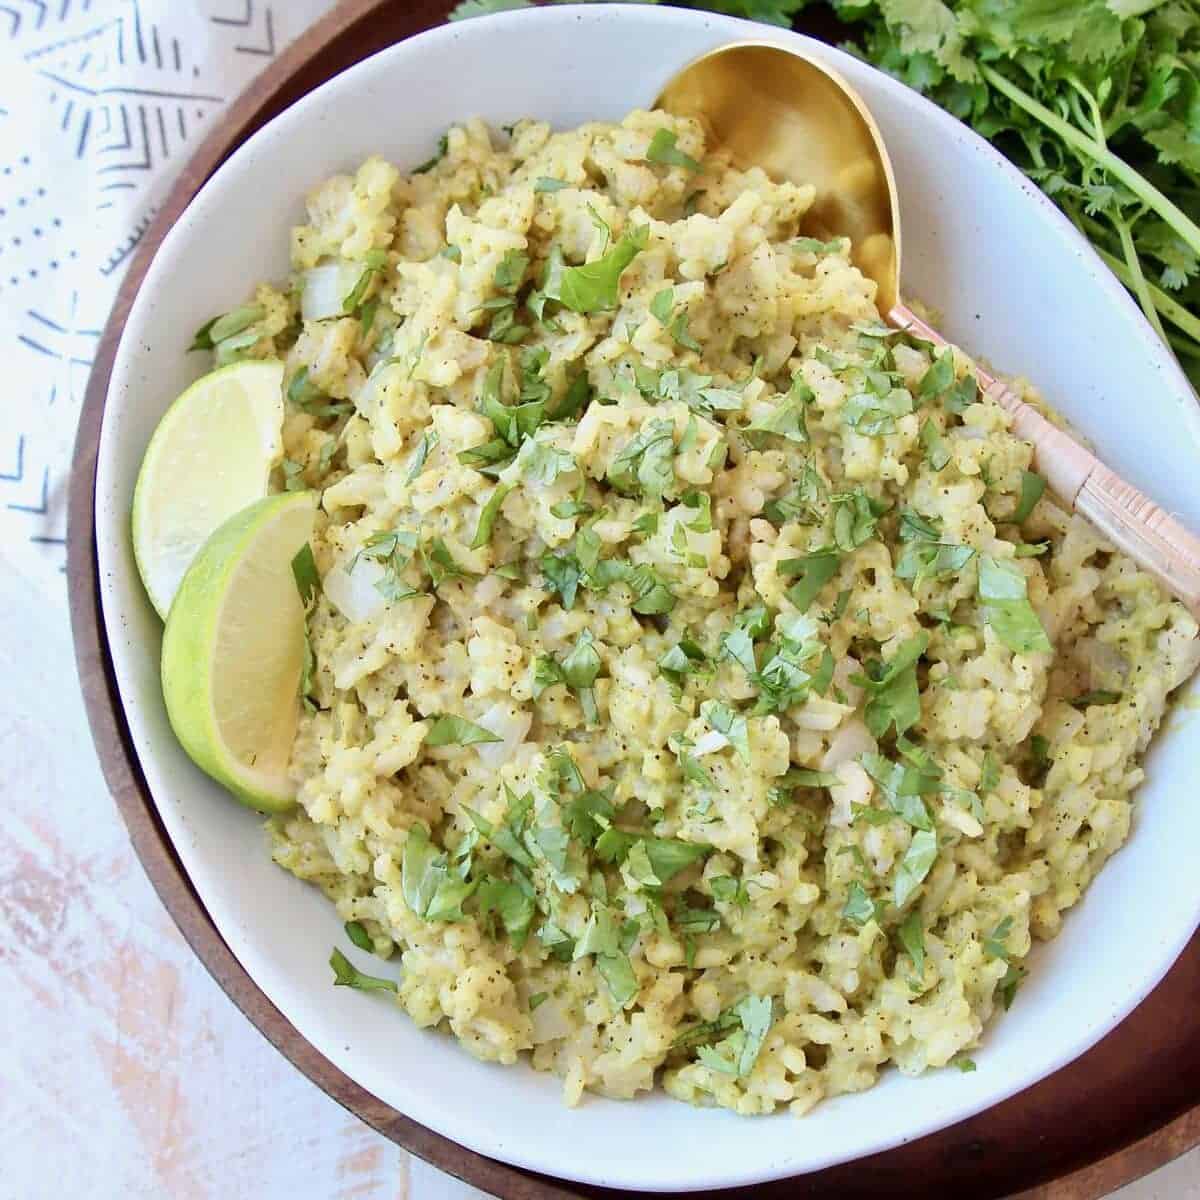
x: 81, y: 545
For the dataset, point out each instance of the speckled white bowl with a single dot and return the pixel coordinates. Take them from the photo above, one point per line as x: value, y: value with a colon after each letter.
x: 1016, y: 284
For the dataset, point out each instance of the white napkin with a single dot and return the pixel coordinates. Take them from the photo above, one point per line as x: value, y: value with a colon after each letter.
x: 101, y: 104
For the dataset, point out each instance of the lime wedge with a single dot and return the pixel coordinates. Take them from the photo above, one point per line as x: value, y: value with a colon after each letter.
x: 233, y: 650
x: 210, y: 456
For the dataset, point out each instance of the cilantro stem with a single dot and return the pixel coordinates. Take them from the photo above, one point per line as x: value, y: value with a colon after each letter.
x: 1166, y: 304
x: 1138, y: 184
x: 1141, y: 289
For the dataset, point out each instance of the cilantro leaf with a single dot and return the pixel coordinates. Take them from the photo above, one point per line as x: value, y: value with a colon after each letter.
x: 1006, y: 607
x: 1032, y: 487
x: 663, y: 150
x: 346, y: 974
x: 511, y: 903
x: 912, y: 938
x: 449, y: 730
x: 730, y: 724
x: 357, y: 933
x: 894, y: 697
x: 488, y: 515
x: 444, y: 141
x: 430, y: 888
x: 994, y: 944
x: 814, y: 571
x: 915, y: 865
x: 304, y: 572
x: 593, y: 287
x: 859, y: 907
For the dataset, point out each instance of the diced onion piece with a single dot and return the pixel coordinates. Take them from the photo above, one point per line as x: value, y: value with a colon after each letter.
x: 353, y: 593
x: 325, y: 289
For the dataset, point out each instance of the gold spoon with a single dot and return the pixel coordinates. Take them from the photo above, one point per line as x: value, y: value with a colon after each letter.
x: 801, y: 121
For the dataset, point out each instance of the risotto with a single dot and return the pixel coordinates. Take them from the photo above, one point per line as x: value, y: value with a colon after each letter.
x: 702, y: 691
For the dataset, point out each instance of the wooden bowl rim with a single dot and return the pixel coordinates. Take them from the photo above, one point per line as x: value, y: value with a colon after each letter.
x: 1152, y: 1146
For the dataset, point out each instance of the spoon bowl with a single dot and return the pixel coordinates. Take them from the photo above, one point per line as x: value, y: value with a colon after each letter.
x: 801, y: 121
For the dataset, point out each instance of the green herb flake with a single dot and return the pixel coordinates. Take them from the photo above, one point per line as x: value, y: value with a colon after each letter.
x: 995, y: 944
x: 912, y: 937
x: 1006, y: 607
x: 346, y: 974
x: 1032, y: 487
x: 937, y: 452
x: 859, y: 907
x: 304, y: 572
x: 662, y: 149
x: 593, y: 287
x: 357, y: 933
x: 430, y: 888
x: 914, y: 866
x: 730, y: 724
x: 449, y: 730
x: 812, y: 573
x: 545, y: 184
x: 442, y: 147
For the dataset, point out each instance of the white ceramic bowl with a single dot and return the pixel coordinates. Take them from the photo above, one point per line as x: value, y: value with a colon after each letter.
x: 1015, y: 283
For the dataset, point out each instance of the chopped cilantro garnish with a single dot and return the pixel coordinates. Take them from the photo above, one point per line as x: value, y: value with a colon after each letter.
x: 429, y: 439
x: 854, y: 518
x: 560, y: 576
x: 803, y: 504
x: 449, y: 730
x: 357, y: 933
x: 811, y: 245
x: 937, y: 453
x: 346, y: 974
x: 1006, y: 989
x: 1006, y: 607
x: 813, y: 572
x: 730, y: 724
x: 859, y: 907
x: 304, y: 572
x: 915, y: 865
x: 894, y: 698
x: 662, y: 149
x: 737, y: 1053
x: 511, y: 903
x: 488, y: 515
x: 429, y: 886
x: 1032, y: 487
x: 994, y: 945
x: 373, y: 263
x: 787, y: 419
x: 393, y: 549
x: 593, y: 287
x: 912, y: 938
x: 442, y: 147
x: 646, y: 462
x: 939, y: 378
x: 220, y: 329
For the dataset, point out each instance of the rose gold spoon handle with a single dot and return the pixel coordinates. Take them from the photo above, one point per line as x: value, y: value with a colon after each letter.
x: 799, y: 120
x: 1130, y: 520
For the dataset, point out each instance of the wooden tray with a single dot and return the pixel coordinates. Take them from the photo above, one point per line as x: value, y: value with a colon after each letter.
x: 1129, y: 1105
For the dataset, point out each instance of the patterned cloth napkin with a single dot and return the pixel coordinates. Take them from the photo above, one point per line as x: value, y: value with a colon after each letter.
x: 102, y: 102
